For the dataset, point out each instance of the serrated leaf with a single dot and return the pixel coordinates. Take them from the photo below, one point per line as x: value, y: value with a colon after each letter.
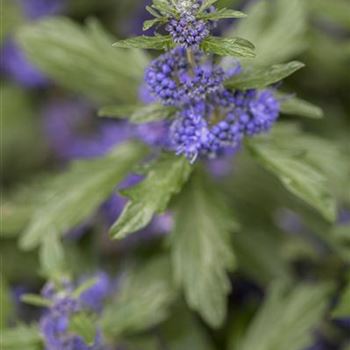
x: 73, y: 196
x: 237, y: 47
x: 164, y: 179
x: 299, y: 107
x: 296, y: 172
x: 83, y: 325
x: 222, y: 14
x: 82, y: 59
x: 152, y: 22
x: 35, y: 300
x: 342, y: 309
x: 201, y: 249
x: 20, y: 337
x: 138, y: 114
x: 286, y: 319
x: 143, y: 301
x: 158, y: 42
x: 164, y: 7
x: 258, y: 78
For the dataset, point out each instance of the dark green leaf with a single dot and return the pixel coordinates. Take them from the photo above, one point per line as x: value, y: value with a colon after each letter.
x: 228, y: 47
x: 158, y: 42
x: 222, y: 14
x: 83, y: 60
x: 138, y: 114
x: 74, y: 195
x: 35, y: 300
x: 20, y: 338
x: 83, y: 325
x: 201, y: 248
x: 143, y: 300
x: 286, y: 320
x: 164, y: 7
x: 295, y: 171
x: 164, y: 179
x: 299, y: 107
x: 258, y: 78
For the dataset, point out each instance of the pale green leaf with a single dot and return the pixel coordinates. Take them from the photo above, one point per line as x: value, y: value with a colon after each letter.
x: 201, y: 249
x: 83, y: 60
x: 143, y: 301
x: 237, y: 47
x: 35, y: 300
x: 164, y: 179
x: 138, y: 114
x: 296, y: 106
x: 295, y: 171
x: 158, y: 42
x: 258, y: 78
x: 20, y: 338
x: 73, y: 196
x: 286, y: 320
x: 152, y: 22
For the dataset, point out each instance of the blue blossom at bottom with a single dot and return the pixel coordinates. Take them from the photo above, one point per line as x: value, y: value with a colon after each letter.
x: 55, y: 323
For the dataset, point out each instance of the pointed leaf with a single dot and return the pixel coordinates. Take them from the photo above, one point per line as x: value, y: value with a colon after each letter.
x: 201, y: 249
x: 165, y: 178
x: 73, y: 196
x: 158, y: 42
x: 258, y: 78
x: 222, y: 14
x: 299, y: 107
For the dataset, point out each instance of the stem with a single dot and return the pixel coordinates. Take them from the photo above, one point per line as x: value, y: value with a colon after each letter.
x: 190, y: 57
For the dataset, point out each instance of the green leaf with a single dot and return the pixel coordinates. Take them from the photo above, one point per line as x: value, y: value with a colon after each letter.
x: 291, y: 166
x: 21, y: 337
x: 286, y: 320
x: 84, y: 286
x: 164, y: 179
x: 299, y: 107
x: 342, y: 310
x: 201, y: 248
x: 138, y: 114
x: 35, y: 300
x: 278, y: 29
x: 83, y: 60
x: 206, y: 4
x: 143, y: 301
x: 258, y: 78
x: 158, y: 42
x: 228, y: 47
x: 73, y: 196
x: 51, y: 255
x: 164, y: 7
x: 152, y: 22
x: 222, y: 14
x: 83, y: 325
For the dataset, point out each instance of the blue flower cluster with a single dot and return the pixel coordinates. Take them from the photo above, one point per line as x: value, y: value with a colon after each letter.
x: 186, y: 30
x: 211, y: 120
x: 55, y: 323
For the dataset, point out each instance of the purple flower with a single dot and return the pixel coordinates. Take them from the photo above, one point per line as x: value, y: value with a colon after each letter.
x: 55, y: 323
x: 14, y: 64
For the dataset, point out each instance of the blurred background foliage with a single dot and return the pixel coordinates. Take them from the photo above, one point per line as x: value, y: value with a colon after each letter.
x: 52, y: 65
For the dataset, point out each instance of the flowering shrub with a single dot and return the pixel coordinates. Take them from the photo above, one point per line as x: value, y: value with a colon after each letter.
x: 170, y: 190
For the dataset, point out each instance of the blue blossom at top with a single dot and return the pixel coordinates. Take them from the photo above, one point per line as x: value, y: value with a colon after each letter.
x: 55, y: 323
